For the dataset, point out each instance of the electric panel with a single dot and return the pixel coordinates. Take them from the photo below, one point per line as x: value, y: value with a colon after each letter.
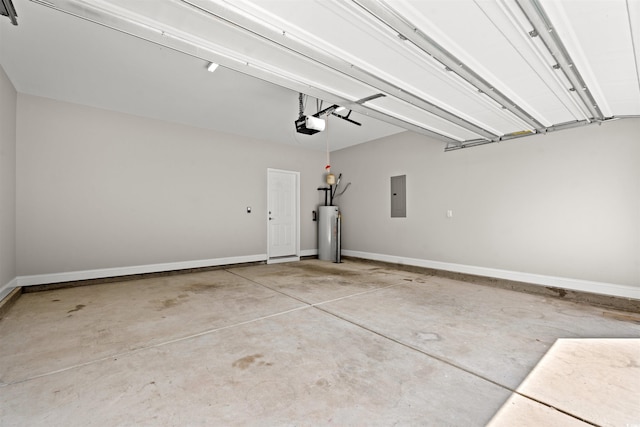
x: 399, y: 196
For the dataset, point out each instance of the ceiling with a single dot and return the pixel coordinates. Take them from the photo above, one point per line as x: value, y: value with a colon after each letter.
x: 466, y: 72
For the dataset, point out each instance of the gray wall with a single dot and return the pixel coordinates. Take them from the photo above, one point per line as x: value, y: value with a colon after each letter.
x: 98, y: 189
x: 8, y: 98
x: 565, y: 204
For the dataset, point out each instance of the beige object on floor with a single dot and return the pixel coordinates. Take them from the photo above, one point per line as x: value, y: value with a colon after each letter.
x: 597, y: 380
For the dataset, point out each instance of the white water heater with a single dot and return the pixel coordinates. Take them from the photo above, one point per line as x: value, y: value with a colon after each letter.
x: 329, y: 233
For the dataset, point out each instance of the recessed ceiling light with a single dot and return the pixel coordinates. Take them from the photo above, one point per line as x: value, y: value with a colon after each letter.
x: 212, y: 66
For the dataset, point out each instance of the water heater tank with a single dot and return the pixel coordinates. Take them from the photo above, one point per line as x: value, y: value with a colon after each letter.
x: 328, y: 233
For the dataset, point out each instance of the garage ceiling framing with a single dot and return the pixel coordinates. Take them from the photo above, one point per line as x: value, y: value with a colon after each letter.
x: 467, y: 72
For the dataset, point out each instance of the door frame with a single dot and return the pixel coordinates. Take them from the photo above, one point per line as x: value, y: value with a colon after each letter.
x: 295, y: 257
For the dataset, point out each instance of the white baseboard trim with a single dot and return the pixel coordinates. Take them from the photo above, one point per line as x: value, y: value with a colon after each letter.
x: 303, y: 252
x: 45, y: 279
x: 308, y: 252
x: 280, y: 260
x: 601, y: 288
x: 8, y: 287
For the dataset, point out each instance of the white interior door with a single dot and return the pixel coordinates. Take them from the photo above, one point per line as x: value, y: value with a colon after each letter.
x: 283, y: 220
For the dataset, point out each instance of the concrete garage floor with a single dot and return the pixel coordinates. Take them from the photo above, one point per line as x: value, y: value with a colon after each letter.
x: 314, y: 343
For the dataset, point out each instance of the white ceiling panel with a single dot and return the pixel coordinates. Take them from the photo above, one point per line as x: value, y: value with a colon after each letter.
x: 507, y: 61
x: 359, y: 39
x: 466, y: 72
x: 521, y: 67
x: 599, y: 35
x: 58, y: 56
x: 415, y: 115
x: 219, y: 37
